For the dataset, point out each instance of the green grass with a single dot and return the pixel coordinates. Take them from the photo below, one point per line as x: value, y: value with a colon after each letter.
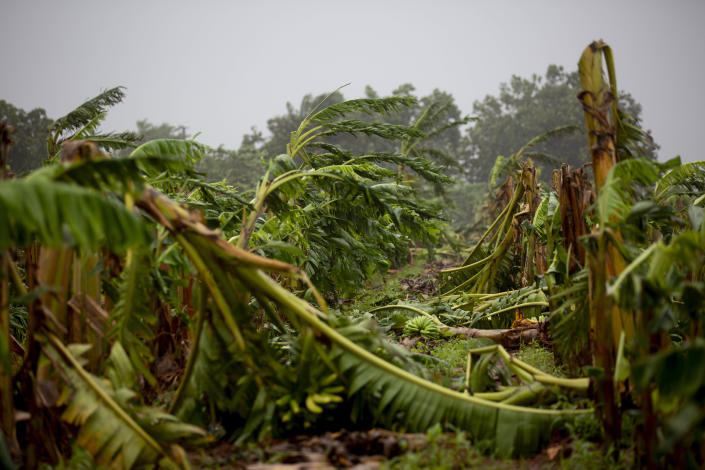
x: 383, y: 290
x: 541, y: 358
x: 454, y: 354
x: 454, y: 451
x: 444, y: 451
x: 446, y: 359
x: 585, y: 455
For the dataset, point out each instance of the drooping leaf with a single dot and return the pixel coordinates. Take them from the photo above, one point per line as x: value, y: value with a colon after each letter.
x: 688, y: 178
x: 87, y: 112
x: 177, y: 149
x: 380, y: 129
x: 56, y: 214
x: 366, y: 105
x: 117, y: 434
x: 133, y: 318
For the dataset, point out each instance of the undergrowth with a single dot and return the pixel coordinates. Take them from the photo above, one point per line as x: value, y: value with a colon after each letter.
x: 541, y: 358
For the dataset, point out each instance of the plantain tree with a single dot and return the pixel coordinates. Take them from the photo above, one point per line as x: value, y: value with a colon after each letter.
x: 341, y: 215
x: 624, y: 273
x: 83, y: 123
x: 104, y: 263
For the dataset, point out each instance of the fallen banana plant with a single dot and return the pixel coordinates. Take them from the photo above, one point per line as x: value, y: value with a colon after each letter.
x: 392, y: 395
x: 527, y: 373
x: 480, y: 272
x: 91, y: 252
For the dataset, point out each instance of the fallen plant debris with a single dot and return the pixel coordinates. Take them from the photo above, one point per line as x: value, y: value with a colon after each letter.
x: 150, y: 318
x: 340, y: 449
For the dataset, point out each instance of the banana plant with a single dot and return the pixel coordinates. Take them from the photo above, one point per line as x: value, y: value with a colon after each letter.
x: 607, y: 321
x: 479, y: 272
x: 66, y: 214
x: 318, y: 203
x: 7, y: 420
x: 519, y: 196
x: 388, y: 392
x: 646, y: 212
x: 663, y: 285
x: 83, y: 122
x: 103, y: 259
x: 232, y: 278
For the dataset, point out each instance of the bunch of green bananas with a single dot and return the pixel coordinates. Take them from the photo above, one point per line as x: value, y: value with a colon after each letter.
x: 422, y: 326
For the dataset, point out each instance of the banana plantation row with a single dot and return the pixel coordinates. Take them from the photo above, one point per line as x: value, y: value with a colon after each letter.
x: 147, y: 313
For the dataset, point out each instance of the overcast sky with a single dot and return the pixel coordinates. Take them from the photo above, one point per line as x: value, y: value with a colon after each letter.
x: 219, y: 67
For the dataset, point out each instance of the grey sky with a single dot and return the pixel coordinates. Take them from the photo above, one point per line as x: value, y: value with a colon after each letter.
x: 219, y: 67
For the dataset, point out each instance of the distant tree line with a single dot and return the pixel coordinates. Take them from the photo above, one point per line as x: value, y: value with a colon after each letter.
x: 30, y: 147
x: 501, y: 124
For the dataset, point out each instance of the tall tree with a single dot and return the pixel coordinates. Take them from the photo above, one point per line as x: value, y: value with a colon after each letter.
x: 150, y: 131
x: 147, y: 131
x: 526, y: 108
x: 29, y: 149
x: 241, y: 168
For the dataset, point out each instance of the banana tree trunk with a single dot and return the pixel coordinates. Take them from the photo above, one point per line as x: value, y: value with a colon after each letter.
x: 575, y: 195
x: 599, y: 100
x: 608, y: 322
x: 533, y: 258
x: 7, y: 424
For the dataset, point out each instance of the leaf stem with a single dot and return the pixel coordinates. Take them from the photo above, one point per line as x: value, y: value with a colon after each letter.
x: 257, y: 280
x: 98, y: 390
x: 413, y: 309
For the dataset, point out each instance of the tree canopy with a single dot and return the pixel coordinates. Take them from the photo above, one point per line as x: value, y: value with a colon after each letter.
x: 525, y: 108
x: 29, y: 149
x: 150, y: 131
